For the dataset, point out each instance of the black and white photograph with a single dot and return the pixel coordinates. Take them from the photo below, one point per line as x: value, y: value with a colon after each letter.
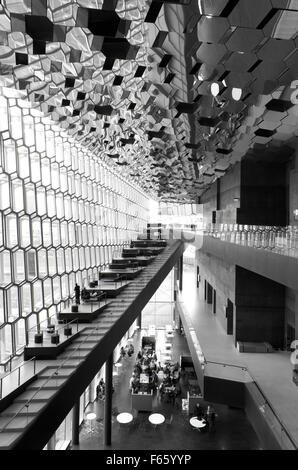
x: 148, y: 229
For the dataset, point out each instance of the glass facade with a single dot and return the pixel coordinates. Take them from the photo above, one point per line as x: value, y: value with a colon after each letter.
x: 63, y: 213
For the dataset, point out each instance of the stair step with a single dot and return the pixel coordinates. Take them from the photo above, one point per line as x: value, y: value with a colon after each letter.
x: 7, y: 439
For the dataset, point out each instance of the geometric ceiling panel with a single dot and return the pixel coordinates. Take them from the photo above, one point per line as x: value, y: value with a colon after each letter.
x: 244, y: 39
x: 240, y: 62
x: 132, y: 81
x: 212, y: 29
x: 211, y: 53
x: 249, y: 14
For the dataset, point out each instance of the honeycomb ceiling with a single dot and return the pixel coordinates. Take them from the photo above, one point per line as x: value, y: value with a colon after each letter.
x: 131, y: 80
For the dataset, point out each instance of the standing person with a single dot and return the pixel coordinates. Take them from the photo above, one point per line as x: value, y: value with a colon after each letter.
x: 212, y: 420
x: 77, y: 291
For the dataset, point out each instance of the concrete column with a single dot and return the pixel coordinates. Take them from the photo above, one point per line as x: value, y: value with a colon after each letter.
x: 181, y: 273
x: 52, y: 442
x: 76, y: 423
x: 108, y: 401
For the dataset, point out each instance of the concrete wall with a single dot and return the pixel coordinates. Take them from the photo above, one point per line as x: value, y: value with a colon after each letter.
x: 263, y: 193
x: 260, y: 305
x: 221, y: 276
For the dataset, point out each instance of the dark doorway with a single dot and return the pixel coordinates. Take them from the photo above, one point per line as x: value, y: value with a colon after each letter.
x: 214, y: 301
x: 230, y: 317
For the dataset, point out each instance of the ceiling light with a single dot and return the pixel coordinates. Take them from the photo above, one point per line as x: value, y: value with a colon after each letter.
x: 236, y: 93
x: 215, y: 89
x: 200, y: 6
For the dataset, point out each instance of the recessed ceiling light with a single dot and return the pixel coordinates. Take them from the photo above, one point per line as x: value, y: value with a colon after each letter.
x: 215, y: 89
x: 236, y: 93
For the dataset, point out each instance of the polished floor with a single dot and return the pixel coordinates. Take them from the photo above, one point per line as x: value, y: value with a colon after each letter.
x: 272, y: 371
x: 232, y: 430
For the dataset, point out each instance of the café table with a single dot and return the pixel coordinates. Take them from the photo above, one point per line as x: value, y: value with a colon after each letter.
x: 124, y: 418
x: 156, y: 419
x: 197, y: 423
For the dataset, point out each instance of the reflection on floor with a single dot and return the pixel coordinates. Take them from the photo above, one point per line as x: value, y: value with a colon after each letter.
x: 232, y: 429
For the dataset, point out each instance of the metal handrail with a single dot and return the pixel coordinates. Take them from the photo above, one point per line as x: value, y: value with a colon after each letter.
x: 75, y: 320
x: 55, y: 373
x: 266, y: 400
x: 19, y: 373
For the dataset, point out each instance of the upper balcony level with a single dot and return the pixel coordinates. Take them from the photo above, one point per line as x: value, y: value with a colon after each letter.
x: 271, y: 252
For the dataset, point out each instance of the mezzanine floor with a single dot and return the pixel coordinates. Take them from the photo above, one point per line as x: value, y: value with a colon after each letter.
x: 272, y: 371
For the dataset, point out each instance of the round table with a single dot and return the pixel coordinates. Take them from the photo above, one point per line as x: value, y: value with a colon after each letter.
x: 197, y: 423
x: 156, y: 418
x: 124, y: 418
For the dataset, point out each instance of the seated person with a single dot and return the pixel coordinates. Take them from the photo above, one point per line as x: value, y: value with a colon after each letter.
x: 139, y: 355
x: 122, y: 352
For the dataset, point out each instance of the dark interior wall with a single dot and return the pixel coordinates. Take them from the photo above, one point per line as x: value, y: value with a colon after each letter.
x: 263, y: 192
x: 228, y: 392
x: 220, y: 197
x: 292, y: 181
x: 221, y: 276
x: 260, y: 309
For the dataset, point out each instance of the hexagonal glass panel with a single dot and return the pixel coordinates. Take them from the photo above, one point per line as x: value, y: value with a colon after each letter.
x: 35, y: 167
x: 60, y: 261
x: 29, y: 136
x: 51, y: 203
x: 31, y: 264
x: 42, y: 263
x: 23, y: 162
x: 17, y: 195
x: 50, y: 143
x: 46, y: 232
x: 48, y: 292
x: 12, y: 299
x: 19, y: 266
x: 3, y: 114
x: 20, y: 333
x: 56, y: 289
x: 4, y: 192
x: 11, y: 230
x: 5, y: 343
x: 52, y: 263
x: 36, y: 232
x: 41, y: 201
x: 2, y: 313
x: 25, y: 233
x: 30, y: 198
x: 37, y: 296
x: 40, y: 137
x: 26, y: 304
x: 5, y: 268
x: 45, y: 171
x: 16, y: 127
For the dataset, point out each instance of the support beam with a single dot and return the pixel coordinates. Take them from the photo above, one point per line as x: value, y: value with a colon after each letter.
x: 52, y: 443
x: 181, y: 272
x: 76, y: 423
x: 108, y: 401
x: 139, y: 320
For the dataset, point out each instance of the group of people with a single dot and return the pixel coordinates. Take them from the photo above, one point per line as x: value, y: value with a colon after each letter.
x: 147, y: 365
x: 170, y: 387
x: 129, y: 350
x: 100, y: 390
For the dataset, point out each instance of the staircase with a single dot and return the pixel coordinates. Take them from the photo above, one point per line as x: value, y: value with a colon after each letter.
x: 34, y: 415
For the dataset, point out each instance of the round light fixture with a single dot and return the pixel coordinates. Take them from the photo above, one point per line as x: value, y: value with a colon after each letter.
x: 236, y: 94
x: 214, y: 89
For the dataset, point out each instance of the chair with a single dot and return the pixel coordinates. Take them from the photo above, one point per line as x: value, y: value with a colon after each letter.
x: 169, y: 420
